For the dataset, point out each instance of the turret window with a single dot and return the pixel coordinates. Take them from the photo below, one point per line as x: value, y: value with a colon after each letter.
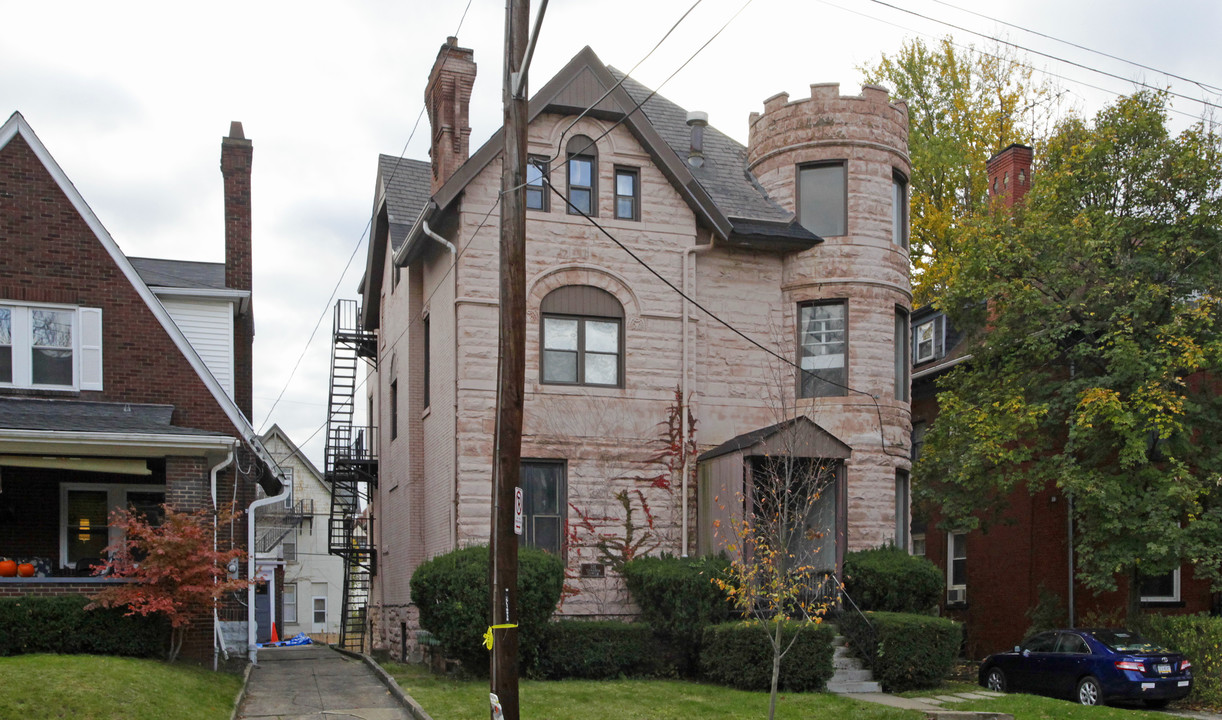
x: 822, y: 199
x: 823, y: 349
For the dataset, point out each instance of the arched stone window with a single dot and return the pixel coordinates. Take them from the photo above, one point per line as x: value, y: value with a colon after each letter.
x: 582, y: 178
x: 581, y: 337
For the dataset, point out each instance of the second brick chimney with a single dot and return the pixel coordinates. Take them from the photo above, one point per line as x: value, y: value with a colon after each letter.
x: 448, y: 98
x: 1010, y: 174
x: 236, y: 156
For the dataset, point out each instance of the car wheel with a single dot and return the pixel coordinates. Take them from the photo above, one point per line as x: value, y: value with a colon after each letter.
x: 1089, y: 692
x: 1157, y: 704
x: 995, y: 680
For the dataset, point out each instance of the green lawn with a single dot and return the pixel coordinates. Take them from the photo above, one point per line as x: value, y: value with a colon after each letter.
x: 447, y: 699
x: 1036, y: 707
x: 95, y: 687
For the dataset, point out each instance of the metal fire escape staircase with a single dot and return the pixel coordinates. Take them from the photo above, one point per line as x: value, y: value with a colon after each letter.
x: 352, y: 472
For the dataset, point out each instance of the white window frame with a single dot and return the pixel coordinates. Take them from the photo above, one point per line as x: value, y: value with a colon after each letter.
x: 116, y: 499
x: 86, y: 346
x: 918, y: 544
x: 920, y: 356
x: 288, y: 475
x: 314, y: 610
x: 951, y: 585
x: 1174, y: 597
x: 288, y: 602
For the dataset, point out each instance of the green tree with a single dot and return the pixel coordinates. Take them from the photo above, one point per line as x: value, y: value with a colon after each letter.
x: 964, y: 105
x: 1091, y: 313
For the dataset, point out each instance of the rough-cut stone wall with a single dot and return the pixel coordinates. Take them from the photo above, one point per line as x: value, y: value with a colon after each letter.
x: 865, y: 267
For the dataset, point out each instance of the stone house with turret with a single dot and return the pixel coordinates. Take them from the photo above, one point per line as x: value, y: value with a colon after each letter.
x: 764, y: 289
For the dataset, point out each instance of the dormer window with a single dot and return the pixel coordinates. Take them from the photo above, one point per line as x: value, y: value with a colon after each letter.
x: 927, y: 341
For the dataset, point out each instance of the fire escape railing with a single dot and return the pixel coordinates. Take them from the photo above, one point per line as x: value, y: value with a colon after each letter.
x: 351, y: 470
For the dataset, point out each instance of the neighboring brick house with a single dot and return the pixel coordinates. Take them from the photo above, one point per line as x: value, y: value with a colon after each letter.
x: 994, y: 577
x: 124, y: 382
x: 799, y: 240
x: 310, y: 592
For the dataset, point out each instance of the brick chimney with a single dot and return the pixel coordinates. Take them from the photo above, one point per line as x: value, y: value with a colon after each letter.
x: 448, y: 98
x: 1010, y: 174
x: 236, y: 154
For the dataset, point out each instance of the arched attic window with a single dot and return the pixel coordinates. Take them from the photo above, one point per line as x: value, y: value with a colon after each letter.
x: 582, y: 178
x: 582, y: 337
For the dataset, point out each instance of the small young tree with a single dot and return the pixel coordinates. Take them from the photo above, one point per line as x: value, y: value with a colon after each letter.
x: 774, y: 545
x: 175, y: 567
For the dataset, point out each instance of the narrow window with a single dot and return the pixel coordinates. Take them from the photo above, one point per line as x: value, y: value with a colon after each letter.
x: 544, y: 505
x: 427, y: 361
x: 536, y: 183
x: 288, y: 476
x: 924, y: 341
x: 902, y: 506
x: 902, y: 365
x: 582, y: 176
x: 88, y: 532
x: 823, y: 349
x: 582, y: 337
x: 956, y: 568
x: 289, y: 547
x: 6, y: 345
x: 627, y: 194
x: 320, y: 611
x: 288, y: 602
x: 918, y: 544
x: 394, y: 409
x: 822, y: 199
x: 899, y: 210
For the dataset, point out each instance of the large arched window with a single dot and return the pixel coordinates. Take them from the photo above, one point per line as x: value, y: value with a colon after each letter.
x: 582, y: 337
x: 582, y: 176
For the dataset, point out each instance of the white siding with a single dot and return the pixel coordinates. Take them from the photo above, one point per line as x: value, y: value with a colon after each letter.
x: 208, y: 325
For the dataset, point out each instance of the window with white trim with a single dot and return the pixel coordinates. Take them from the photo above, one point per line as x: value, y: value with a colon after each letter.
x: 50, y: 347
x: 288, y: 477
x: 288, y: 602
x: 85, y: 508
x: 320, y: 610
x: 1161, y: 588
x: 927, y: 340
x: 956, y: 568
x: 823, y: 349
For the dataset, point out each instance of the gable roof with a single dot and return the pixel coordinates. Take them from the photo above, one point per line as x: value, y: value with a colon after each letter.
x: 722, y: 193
x: 275, y: 431
x: 16, y: 125
x: 805, y: 439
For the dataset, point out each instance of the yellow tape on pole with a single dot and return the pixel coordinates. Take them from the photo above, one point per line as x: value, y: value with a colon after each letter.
x: 488, y: 634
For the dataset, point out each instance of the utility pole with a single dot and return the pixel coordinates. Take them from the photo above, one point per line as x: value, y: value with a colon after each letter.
x: 511, y: 377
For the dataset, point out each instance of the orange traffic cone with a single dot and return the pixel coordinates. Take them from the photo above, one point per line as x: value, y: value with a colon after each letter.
x: 275, y: 637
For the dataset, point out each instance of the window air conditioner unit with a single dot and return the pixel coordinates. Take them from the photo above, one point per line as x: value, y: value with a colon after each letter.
x: 957, y: 596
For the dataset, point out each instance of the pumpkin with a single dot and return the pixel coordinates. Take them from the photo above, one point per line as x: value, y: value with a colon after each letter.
x: 25, y: 570
x: 8, y: 568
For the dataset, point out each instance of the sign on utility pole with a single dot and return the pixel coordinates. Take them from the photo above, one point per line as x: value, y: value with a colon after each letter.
x: 511, y: 378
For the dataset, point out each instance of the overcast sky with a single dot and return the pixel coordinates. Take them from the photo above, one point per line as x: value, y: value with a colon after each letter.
x: 133, y: 98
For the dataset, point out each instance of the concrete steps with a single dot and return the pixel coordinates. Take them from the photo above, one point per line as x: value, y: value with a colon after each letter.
x: 850, y: 676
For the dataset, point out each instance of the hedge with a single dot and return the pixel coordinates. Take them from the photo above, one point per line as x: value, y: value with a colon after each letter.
x: 61, y: 624
x: 1199, y: 637
x: 602, y: 650
x: 738, y: 654
x: 451, y: 593
x: 678, y: 599
x: 904, y: 651
x: 888, y: 579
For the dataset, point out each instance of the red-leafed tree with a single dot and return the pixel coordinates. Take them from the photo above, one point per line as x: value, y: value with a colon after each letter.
x: 175, y: 567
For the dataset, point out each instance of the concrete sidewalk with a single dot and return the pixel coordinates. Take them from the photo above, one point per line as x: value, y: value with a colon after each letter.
x: 314, y: 681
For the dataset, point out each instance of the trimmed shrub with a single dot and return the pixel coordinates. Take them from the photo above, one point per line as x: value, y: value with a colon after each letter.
x: 1199, y: 637
x: 739, y: 655
x: 61, y: 624
x: 451, y: 593
x: 905, y: 651
x: 887, y: 579
x: 602, y: 650
x: 678, y: 600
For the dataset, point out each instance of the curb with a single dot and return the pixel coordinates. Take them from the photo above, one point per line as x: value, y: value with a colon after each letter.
x: 408, y: 701
x: 237, y: 702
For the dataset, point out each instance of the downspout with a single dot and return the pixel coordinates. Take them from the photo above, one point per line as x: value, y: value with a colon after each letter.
x: 218, y: 638
x: 683, y: 386
x: 251, y: 627
x: 424, y: 225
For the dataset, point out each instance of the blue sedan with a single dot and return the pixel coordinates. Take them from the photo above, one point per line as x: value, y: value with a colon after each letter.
x: 1093, y: 666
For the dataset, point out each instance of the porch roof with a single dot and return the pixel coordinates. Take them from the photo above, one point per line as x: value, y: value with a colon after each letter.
x: 85, y: 416
x: 796, y: 437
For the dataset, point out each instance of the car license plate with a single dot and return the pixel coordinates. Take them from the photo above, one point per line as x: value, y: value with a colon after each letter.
x: 1163, y: 669
x: 1182, y: 683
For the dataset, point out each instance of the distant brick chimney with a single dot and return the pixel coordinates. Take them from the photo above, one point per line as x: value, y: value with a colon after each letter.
x: 448, y: 98
x: 236, y: 155
x: 1010, y: 174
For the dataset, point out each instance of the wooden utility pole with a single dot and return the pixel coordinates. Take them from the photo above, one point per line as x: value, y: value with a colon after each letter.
x: 512, y: 370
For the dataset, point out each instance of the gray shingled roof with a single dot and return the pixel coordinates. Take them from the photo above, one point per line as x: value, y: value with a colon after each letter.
x: 724, y: 174
x: 408, y: 185
x: 81, y: 416
x: 180, y: 273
